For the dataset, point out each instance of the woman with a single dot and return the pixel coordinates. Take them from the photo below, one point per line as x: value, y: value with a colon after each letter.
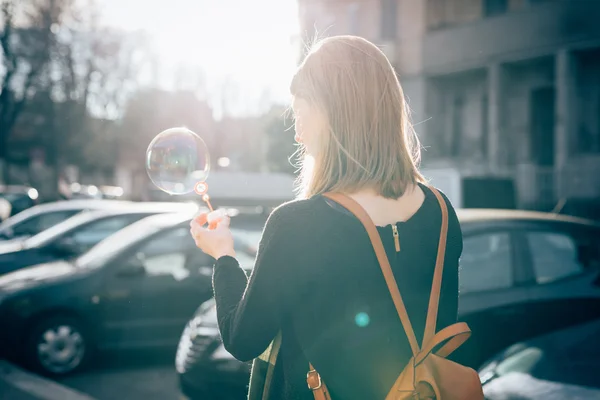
x: 316, y: 279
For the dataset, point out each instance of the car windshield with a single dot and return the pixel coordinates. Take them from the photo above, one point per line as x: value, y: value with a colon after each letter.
x: 48, y: 235
x: 125, y: 237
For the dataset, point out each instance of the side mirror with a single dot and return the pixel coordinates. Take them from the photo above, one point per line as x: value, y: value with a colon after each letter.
x: 134, y: 267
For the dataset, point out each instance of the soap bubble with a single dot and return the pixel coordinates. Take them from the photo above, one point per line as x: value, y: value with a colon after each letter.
x: 176, y: 160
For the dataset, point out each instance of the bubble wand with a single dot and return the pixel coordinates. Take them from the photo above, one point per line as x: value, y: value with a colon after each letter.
x: 201, y: 189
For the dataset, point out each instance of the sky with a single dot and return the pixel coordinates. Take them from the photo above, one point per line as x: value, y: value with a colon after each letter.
x: 247, y: 49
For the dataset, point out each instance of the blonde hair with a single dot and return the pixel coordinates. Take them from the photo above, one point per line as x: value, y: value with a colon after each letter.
x: 368, y: 141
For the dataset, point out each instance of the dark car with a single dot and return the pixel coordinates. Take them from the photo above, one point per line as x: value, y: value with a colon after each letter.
x: 19, y: 198
x: 43, y: 216
x: 205, y: 369
x: 76, y: 235
x: 136, y: 289
x: 521, y: 274
x: 564, y: 365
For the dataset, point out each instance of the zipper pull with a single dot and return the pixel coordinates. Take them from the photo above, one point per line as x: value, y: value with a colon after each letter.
x: 396, y: 238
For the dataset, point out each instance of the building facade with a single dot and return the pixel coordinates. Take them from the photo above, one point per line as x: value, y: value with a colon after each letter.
x: 496, y: 87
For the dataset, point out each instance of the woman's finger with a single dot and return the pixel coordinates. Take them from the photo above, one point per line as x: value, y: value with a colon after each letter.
x: 196, y: 229
x: 195, y: 225
x: 201, y: 219
x: 223, y: 222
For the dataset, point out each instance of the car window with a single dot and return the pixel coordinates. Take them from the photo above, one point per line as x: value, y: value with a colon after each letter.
x: 41, y: 222
x: 166, y: 254
x: 174, y: 253
x: 486, y: 262
x: 94, y: 232
x: 554, y: 256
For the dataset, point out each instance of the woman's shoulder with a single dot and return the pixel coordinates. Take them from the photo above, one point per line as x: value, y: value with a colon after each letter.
x: 298, y: 211
x: 297, y: 225
x: 454, y: 229
x: 309, y: 221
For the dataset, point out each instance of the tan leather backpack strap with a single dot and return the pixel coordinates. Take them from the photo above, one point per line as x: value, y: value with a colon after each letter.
x: 315, y: 384
x: 434, y: 299
x: 352, y: 206
x: 451, y: 338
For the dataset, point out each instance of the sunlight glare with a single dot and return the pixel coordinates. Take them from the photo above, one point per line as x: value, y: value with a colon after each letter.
x: 248, y: 44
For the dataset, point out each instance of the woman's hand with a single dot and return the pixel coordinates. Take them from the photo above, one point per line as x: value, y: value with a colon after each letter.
x: 216, y: 239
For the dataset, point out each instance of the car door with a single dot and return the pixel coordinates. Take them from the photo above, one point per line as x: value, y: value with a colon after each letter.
x: 151, y: 308
x: 563, y: 284
x: 491, y: 299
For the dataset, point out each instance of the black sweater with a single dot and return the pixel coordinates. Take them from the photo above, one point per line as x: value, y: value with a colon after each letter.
x: 317, y: 279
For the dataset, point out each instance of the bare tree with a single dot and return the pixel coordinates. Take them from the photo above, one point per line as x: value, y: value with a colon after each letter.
x: 26, y: 40
x: 95, y: 73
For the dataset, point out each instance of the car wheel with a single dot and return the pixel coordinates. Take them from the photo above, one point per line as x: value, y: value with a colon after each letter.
x: 58, y: 346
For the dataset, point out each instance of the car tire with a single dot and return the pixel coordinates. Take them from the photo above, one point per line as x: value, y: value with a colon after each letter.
x: 58, y: 346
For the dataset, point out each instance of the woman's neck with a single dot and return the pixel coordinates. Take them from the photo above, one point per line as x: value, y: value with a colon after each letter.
x: 384, y: 211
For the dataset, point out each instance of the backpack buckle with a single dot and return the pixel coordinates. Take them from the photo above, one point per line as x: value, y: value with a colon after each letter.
x: 314, y: 380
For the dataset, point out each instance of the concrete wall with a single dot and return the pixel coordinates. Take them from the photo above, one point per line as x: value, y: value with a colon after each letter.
x: 535, y: 30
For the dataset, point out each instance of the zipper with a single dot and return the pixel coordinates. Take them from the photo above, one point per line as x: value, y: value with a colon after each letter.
x: 396, y: 238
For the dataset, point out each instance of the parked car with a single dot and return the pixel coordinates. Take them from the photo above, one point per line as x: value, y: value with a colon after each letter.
x: 19, y: 197
x: 564, y: 363
x: 43, y: 216
x: 205, y: 369
x: 136, y: 289
x: 521, y: 274
x: 78, y: 234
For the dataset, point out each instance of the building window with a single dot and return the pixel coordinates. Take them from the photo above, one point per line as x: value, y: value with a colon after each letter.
x: 586, y: 110
x: 495, y: 7
x: 389, y: 19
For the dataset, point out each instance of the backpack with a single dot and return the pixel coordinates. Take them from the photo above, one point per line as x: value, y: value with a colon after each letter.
x: 428, y: 374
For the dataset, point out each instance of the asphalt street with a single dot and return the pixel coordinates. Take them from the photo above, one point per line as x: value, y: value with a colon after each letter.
x: 129, y: 376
